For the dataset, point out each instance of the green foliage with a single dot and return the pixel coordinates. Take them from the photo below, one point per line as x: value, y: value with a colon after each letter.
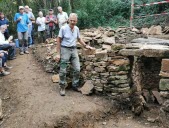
x: 91, y: 13
x: 103, y: 13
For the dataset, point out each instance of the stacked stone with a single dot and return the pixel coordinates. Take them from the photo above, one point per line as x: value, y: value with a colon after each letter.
x: 164, y: 90
x: 108, y: 36
x: 164, y: 82
x: 125, y: 35
x: 118, y: 81
x: 107, y: 70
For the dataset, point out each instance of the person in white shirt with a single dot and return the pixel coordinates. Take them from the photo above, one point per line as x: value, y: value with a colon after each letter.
x: 40, y: 21
x: 62, y: 17
x: 7, y: 45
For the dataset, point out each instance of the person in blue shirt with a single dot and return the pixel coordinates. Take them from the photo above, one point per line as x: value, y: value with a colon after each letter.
x: 22, y: 21
x: 4, y: 21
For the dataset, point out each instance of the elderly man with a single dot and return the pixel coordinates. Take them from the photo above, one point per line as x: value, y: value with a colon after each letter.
x: 31, y: 18
x: 51, y: 20
x: 22, y: 21
x: 7, y: 45
x: 62, y: 17
x: 66, y: 48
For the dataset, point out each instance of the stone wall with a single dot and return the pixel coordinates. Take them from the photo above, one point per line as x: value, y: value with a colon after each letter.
x: 108, y: 71
x: 145, y: 73
x: 164, y: 91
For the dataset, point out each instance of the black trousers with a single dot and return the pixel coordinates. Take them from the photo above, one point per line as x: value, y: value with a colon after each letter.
x: 6, y: 34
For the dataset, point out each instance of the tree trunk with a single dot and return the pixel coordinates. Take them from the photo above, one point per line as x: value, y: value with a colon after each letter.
x: 72, y: 5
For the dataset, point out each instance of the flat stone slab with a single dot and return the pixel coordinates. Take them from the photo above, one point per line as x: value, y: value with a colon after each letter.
x: 150, y: 40
x: 87, y: 88
x: 157, y: 96
x: 145, y: 52
x: 164, y: 85
x: 151, y: 47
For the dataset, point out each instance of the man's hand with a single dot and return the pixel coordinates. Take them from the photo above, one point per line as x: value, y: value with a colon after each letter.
x: 5, y: 52
x: 51, y: 20
x: 58, y: 58
x: 89, y: 47
x: 10, y: 38
x: 20, y: 18
x: 1, y: 54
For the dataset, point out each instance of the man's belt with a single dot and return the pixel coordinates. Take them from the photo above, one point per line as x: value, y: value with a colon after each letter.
x: 72, y: 47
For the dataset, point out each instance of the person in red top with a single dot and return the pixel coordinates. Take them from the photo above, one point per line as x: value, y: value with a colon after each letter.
x: 51, y: 21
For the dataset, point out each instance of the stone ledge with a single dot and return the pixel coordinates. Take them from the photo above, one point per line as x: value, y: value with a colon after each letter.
x: 164, y: 85
x: 145, y: 52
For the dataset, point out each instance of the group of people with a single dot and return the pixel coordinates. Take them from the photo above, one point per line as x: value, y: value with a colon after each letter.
x: 25, y: 21
x: 7, y: 47
x: 7, y: 50
x: 46, y: 26
x: 68, y: 35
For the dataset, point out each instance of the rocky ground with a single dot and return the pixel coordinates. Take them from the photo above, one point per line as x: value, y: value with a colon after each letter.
x: 30, y: 99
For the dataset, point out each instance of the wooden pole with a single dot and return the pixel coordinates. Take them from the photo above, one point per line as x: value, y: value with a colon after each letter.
x: 132, y: 13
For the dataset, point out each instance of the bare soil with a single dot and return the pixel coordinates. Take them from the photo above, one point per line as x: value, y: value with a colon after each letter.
x: 31, y: 100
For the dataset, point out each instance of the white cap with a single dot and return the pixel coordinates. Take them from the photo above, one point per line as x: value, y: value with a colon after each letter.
x: 21, y: 7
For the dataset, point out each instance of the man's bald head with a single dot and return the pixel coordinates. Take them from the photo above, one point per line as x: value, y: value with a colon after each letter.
x: 27, y: 8
x: 74, y: 15
x: 73, y: 19
x: 3, y: 28
x: 60, y: 9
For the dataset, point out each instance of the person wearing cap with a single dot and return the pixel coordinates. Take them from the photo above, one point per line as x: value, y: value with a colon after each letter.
x: 66, y: 51
x: 22, y: 21
x: 4, y: 21
x: 40, y: 21
x: 31, y: 18
x: 51, y: 21
x: 62, y: 17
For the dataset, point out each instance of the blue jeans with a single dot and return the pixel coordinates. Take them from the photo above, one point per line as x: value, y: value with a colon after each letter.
x: 3, y: 60
x: 10, y: 48
x: 69, y: 55
x: 30, y: 35
x: 23, y: 41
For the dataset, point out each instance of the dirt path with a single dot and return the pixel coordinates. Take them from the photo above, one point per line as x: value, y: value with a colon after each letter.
x: 36, y: 100
x: 31, y: 100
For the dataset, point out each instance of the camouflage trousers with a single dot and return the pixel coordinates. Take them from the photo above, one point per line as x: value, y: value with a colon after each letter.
x: 69, y: 55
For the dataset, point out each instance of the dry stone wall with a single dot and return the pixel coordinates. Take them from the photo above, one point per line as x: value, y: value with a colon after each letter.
x: 108, y: 71
x: 115, y: 68
x: 164, y: 91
